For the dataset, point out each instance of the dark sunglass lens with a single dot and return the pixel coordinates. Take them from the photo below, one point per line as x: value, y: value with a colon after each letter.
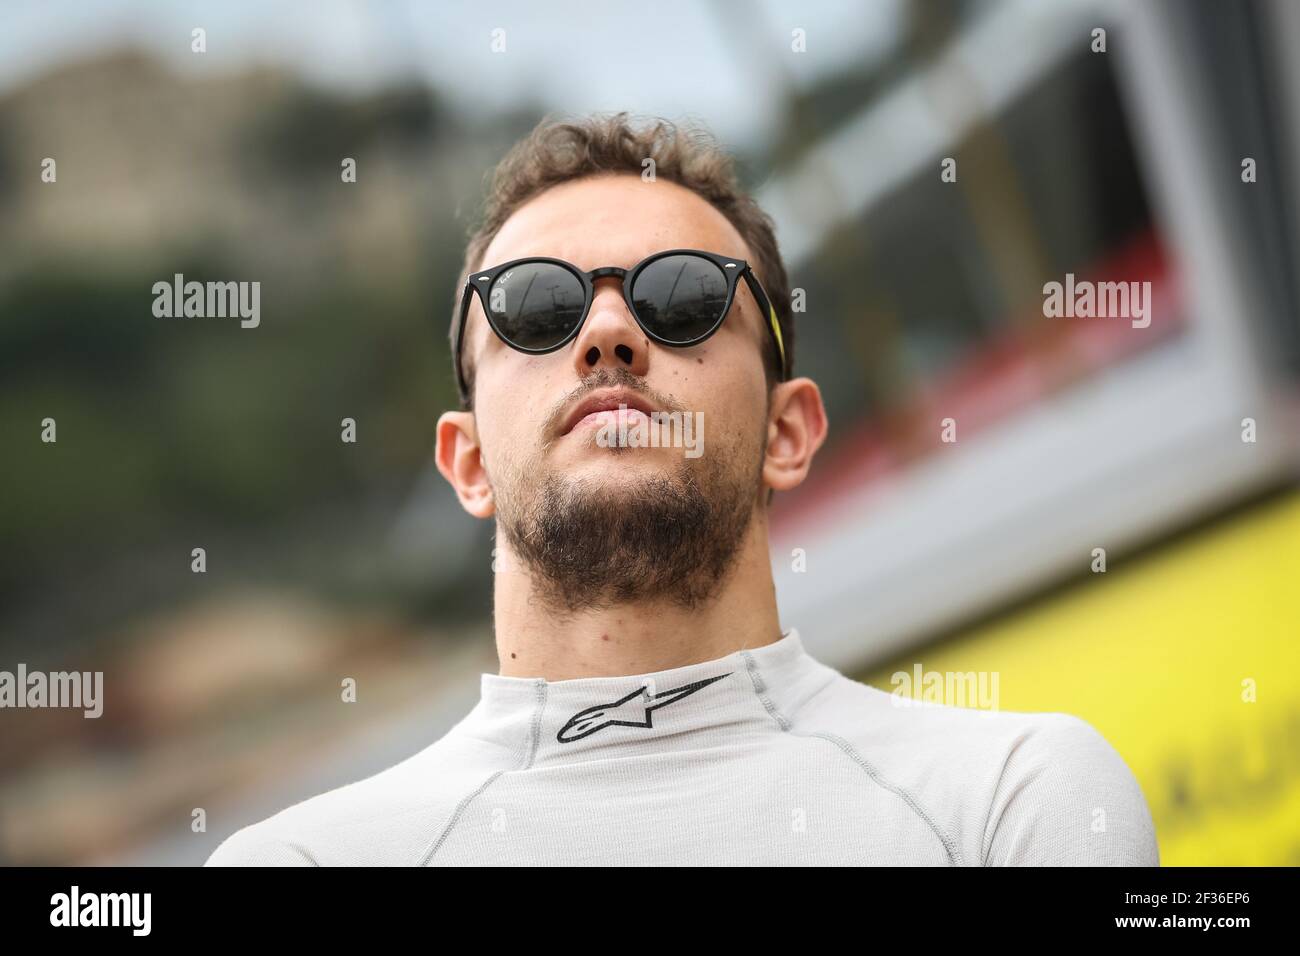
x: 680, y: 298
x: 535, y: 305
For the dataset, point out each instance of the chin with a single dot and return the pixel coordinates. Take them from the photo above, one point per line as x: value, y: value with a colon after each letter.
x: 619, y: 464
x: 622, y: 459
x: 585, y: 448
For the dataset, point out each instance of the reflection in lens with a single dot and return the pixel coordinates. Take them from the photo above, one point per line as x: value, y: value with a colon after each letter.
x: 680, y: 297
x: 536, y: 304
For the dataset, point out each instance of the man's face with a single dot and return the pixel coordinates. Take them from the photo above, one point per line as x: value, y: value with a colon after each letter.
x: 602, y: 523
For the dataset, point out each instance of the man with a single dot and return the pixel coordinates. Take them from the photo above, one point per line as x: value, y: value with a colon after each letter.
x: 649, y: 708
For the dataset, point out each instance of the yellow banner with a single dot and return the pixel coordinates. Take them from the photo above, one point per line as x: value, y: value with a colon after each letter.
x: 1187, y: 660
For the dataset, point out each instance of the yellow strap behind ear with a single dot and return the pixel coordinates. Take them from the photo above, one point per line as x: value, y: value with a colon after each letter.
x: 776, y: 330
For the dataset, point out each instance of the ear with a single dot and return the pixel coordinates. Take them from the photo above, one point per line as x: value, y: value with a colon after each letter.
x: 796, y: 428
x: 459, y: 459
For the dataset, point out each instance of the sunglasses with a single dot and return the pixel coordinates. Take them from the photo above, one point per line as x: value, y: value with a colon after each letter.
x: 679, y: 297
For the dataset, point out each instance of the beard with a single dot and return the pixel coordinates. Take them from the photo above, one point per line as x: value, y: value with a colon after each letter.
x: 591, y: 544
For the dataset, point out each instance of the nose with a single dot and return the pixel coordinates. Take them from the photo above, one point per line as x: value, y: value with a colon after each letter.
x: 610, y: 337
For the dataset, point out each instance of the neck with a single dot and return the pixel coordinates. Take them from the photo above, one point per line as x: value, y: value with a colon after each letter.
x: 636, y: 637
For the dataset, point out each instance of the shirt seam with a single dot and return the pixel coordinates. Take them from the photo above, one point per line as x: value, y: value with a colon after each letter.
x: 990, y: 826
x: 306, y: 854
x: 535, y: 729
x: 760, y: 690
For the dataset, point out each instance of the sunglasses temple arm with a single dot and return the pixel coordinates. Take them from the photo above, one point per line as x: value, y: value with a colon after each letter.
x: 461, y: 385
x: 769, y: 313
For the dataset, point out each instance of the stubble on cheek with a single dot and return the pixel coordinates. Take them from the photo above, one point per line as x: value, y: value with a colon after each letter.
x: 670, y: 535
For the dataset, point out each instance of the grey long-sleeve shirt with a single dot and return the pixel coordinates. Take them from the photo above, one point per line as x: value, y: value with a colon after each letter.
x: 763, y: 757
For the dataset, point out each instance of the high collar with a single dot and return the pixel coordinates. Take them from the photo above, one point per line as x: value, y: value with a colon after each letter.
x: 743, y: 695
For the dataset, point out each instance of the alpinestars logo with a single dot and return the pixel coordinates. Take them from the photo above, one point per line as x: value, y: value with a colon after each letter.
x: 634, y: 710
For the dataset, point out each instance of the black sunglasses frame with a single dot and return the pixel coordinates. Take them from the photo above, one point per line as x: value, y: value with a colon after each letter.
x: 480, y: 282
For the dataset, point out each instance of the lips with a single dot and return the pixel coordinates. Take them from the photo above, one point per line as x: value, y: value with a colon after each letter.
x: 606, y: 400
